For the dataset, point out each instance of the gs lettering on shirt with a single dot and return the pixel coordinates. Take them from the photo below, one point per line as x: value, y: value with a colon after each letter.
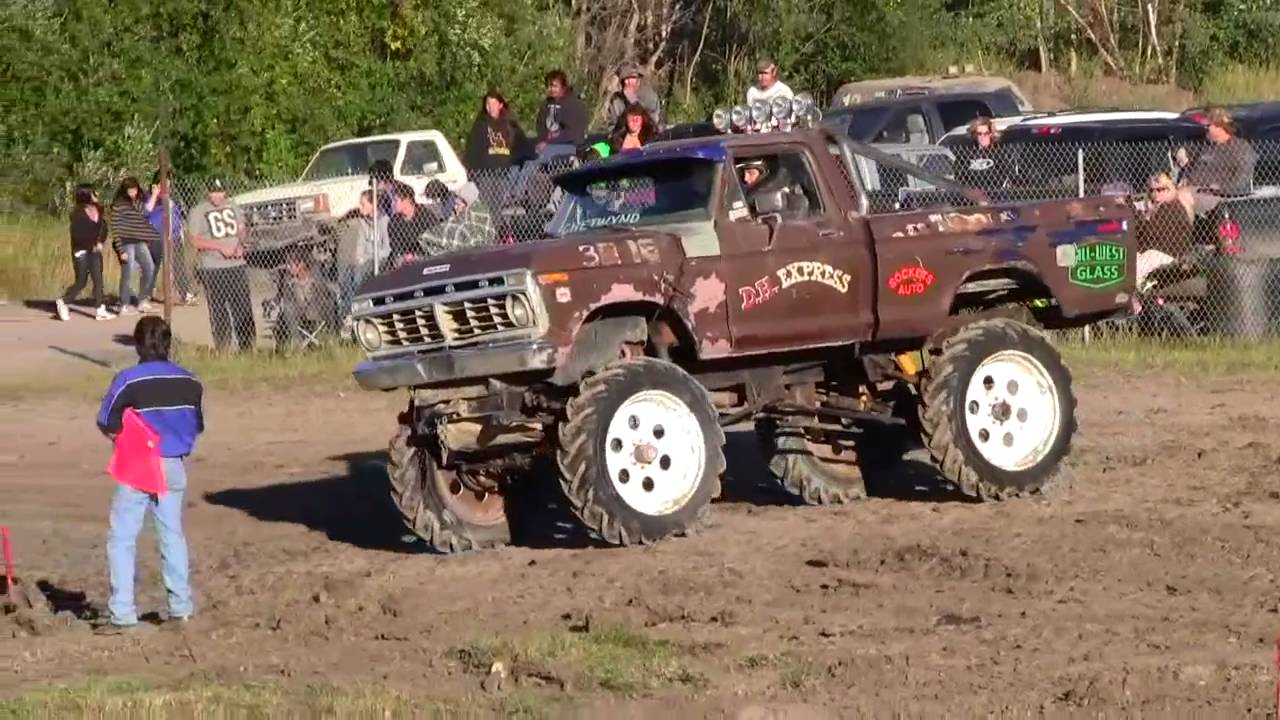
x: 223, y: 223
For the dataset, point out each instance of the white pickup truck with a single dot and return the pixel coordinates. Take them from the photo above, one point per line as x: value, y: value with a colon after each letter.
x: 330, y: 187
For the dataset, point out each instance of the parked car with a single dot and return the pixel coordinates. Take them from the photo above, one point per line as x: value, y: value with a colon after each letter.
x: 302, y: 211
x: 917, y: 119
x: 875, y: 89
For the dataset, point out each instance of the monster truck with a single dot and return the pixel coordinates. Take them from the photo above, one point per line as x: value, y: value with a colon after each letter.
x: 672, y: 301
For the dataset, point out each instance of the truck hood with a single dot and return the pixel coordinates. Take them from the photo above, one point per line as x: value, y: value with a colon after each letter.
x: 302, y: 189
x: 584, y: 251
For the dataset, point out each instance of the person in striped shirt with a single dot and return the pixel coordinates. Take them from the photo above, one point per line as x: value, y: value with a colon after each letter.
x: 134, y: 237
x: 169, y: 399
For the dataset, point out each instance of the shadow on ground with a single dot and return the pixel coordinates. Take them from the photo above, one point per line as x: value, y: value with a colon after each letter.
x: 356, y: 508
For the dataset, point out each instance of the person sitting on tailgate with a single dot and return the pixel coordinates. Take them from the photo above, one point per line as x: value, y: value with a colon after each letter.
x: 1225, y: 167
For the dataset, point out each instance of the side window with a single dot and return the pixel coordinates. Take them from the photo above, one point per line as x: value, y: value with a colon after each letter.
x: 788, y: 174
x: 906, y: 126
x: 421, y: 157
x: 955, y: 113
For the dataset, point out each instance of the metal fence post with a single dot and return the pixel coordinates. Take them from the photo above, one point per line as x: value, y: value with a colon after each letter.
x: 166, y: 226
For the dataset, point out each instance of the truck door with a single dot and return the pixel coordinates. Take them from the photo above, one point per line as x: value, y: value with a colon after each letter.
x: 796, y: 278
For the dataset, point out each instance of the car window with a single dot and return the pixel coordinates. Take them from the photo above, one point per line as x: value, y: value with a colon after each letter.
x: 786, y: 172
x: 349, y: 159
x: 906, y: 126
x: 955, y: 113
x: 421, y: 157
x: 865, y: 123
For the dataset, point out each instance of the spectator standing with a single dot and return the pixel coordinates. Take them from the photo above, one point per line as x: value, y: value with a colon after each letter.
x: 155, y: 215
x: 494, y: 146
x: 363, y: 243
x: 170, y: 400
x: 562, y: 120
x: 767, y: 86
x: 633, y: 130
x: 219, y: 232
x: 981, y: 164
x: 133, y: 238
x: 88, y: 235
x: 633, y: 90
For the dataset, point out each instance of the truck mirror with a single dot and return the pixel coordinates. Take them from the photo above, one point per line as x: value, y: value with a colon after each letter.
x: 768, y: 203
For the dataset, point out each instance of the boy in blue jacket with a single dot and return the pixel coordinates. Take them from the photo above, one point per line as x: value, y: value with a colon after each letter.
x: 169, y: 399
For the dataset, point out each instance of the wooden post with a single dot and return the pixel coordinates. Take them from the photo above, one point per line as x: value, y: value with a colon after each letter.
x: 166, y: 226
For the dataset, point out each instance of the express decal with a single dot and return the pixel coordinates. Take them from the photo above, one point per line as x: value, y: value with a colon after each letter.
x: 804, y: 271
x: 911, y: 280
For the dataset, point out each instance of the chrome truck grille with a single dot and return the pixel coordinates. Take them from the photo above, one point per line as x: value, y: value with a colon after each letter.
x: 447, y: 314
x: 271, y: 212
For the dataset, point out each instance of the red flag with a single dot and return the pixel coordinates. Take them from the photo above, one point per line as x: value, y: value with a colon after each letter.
x: 136, y: 460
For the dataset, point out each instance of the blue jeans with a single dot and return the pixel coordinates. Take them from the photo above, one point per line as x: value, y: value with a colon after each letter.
x: 128, y: 512
x: 136, y: 254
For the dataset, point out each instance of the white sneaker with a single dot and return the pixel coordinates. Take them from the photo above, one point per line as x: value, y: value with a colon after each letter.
x: 127, y: 310
x: 104, y: 314
x: 63, y: 314
x: 144, y: 307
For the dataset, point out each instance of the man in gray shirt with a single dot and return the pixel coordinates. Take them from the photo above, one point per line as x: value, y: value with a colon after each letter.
x: 1225, y: 167
x: 218, y: 230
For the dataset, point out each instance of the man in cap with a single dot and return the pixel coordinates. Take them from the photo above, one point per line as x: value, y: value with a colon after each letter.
x: 633, y: 90
x: 767, y: 86
x: 1224, y: 167
x: 218, y: 230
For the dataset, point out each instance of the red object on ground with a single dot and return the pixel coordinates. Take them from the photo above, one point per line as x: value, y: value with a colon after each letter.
x: 136, y: 460
x: 8, y: 558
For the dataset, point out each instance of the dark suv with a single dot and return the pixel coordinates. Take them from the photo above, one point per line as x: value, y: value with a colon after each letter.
x: 917, y: 117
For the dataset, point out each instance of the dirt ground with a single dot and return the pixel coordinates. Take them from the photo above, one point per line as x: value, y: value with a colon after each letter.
x: 1145, y: 585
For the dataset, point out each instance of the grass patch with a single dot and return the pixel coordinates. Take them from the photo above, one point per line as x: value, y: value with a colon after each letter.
x: 1193, y: 356
x: 1233, y: 83
x: 123, y: 697
x: 35, y: 259
x: 614, y: 658
x: 331, y: 363
x: 795, y: 673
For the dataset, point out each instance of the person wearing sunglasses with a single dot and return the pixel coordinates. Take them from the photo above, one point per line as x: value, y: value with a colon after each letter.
x: 1163, y: 230
x: 981, y: 164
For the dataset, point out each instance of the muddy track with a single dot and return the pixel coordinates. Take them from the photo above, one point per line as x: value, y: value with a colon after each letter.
x: 1144, y: 584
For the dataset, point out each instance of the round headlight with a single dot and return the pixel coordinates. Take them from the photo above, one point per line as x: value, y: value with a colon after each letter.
x: 519, y: 311
x: 760, y: 111
x: 721, y: 119
x: 368, y: 334
x: 739, y: 116
x: 802, y: 103
x: 781, y: 108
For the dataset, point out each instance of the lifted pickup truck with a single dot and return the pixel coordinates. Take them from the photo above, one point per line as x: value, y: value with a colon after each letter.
x: 675, y: 300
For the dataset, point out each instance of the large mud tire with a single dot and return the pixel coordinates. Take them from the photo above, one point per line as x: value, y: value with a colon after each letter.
x: 997, y: 409
x: 422, y: 492
x: 802, y: 471
x: 641, y: 452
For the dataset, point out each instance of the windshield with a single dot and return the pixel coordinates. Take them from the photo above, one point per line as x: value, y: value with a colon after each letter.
x: 660, y: 192
x: 350, y: 159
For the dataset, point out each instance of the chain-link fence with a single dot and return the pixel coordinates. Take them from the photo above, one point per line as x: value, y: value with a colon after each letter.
x: 277, y: 264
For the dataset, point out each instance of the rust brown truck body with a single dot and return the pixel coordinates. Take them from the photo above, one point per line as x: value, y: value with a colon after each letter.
x: 700, y: 295
x: 840, y: 277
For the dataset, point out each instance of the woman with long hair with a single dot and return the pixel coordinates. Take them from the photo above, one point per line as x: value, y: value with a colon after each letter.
x: 495, y: 145
x: 88, y: 234
x: 633, y: 131
x: 133, y: 237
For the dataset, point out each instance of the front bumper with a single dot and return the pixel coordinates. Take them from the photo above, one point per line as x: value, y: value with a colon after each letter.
x: 443, y: 367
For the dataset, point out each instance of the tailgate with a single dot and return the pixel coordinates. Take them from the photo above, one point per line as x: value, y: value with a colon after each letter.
x: 1081, y: 249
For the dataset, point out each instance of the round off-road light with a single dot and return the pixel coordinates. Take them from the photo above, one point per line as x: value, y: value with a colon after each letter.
x: 369, y: 335
x: 801, y: 104
x: 760, y: 111
x: 781, y: 108
x: 739, y: 116
x: 722, y: 119
x: 519, y: 311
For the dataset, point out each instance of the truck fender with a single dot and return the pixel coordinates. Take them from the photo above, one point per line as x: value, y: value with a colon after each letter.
x: 596, y: 345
